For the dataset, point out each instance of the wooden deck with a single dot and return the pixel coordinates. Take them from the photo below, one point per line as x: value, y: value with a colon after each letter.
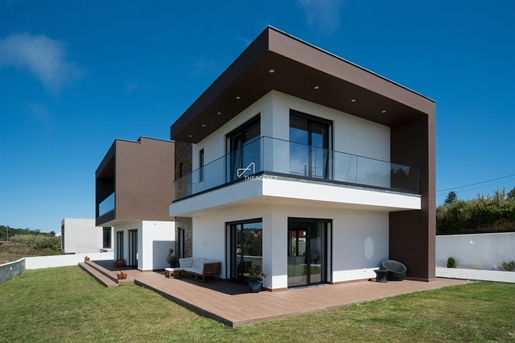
x: 233, y: 305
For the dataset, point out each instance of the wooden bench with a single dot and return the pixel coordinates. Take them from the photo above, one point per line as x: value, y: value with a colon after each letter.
x: 200, y: 269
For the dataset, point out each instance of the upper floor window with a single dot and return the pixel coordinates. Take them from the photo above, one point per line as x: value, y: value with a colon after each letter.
x: 310, y: 140
x: 201, y: 165
x: 243, y: 149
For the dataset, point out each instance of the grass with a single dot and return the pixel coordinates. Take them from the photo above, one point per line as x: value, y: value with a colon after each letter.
x: 66, y: 305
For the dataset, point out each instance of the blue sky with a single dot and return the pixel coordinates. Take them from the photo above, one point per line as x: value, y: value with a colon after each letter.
x: 75, y: 75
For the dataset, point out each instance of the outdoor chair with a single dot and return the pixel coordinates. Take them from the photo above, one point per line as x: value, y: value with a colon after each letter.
x: 396, y: 270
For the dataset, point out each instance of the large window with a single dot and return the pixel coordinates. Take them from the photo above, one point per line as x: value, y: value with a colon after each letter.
x: 307, y: 251
x: 243, y: 148
x: 245, y: 246
x: 310, y: 139
x: 106, y: 237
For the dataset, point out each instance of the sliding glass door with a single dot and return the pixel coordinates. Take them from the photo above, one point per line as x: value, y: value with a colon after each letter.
x: 246, y: 247
x: 243, y: 148
x: 133, y: 248
x: 309, y: 145
x: 307, y: 251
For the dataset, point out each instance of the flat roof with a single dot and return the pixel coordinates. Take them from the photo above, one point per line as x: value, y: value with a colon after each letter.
x: 281, y: 62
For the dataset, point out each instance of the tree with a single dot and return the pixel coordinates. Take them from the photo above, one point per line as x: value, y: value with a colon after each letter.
x: 511, y: 194
x: 452, y: 197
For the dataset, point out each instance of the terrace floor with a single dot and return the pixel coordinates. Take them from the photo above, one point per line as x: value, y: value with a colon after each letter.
x: 233, y: 305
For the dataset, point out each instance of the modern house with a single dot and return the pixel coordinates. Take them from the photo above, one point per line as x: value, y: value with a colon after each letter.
x: 81, y: 235
x: 309, y: 165
x: 134, y: 187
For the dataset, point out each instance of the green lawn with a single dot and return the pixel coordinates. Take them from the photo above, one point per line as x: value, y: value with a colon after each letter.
x: 67, y: 305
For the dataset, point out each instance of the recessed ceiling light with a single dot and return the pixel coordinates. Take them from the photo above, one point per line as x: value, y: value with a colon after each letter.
x: 271, y: 71
x: 383, y: 111
x: 219, y: 113
x: 190, y: 136
x: 353, y: 100
x: 203, y: 125
x: 238, y: 98
x: 317, y: 87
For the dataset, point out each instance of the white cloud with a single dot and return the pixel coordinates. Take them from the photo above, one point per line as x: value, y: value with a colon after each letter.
x: 44, y: 57
x: 325, y: 14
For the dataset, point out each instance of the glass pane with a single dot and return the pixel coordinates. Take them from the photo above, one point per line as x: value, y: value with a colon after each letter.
x: 298, y: 130
x: 248, y: 248
x: 318, y: 135
x: 316, y: 252
x: 297, y: 271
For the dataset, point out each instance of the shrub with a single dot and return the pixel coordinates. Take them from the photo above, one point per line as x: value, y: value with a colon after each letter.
x: 451, y: 262
x: 508, y: 266
x: 172, y: 260
x: 39, y: 242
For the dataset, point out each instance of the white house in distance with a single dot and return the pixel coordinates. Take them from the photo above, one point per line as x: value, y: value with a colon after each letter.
x: 80, y: 235
x: 309, y: 165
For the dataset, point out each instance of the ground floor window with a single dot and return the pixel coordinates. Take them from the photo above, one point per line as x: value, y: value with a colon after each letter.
x: 119, y: 245
x: 133, y: 248
x: 245, y: 243
x: 180, y: 243
x: 308, y: 252
x: 106, y: 237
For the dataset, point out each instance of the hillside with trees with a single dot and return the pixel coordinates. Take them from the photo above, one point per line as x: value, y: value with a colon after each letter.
x: 484, y: 214
x: 18, y: 243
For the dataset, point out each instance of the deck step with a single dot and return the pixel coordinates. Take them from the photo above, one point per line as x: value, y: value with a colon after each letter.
x: 102, y: 270
x: 101, y: 277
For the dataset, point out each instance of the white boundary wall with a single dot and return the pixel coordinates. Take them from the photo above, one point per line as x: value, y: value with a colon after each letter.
x: 39, y: 262
x: 478, y: 251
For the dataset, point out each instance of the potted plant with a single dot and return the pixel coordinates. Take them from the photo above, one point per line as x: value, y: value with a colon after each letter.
x: 172, y: 259
x: 86, y: 258
x: 256, y: 277
x: 121, y: 275
x: 119, y: 263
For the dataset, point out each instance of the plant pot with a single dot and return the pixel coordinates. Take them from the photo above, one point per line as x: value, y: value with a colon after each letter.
x: 254, y: 286
x: 121, y: 276
x: 86, y: 258
x: 119, y: 263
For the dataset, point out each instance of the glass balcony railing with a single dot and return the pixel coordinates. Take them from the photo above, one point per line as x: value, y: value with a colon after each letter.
x: 284, y: 159
x: 106, y: 206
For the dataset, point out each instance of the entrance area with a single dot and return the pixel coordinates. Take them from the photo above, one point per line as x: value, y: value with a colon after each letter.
x: 307, y: 251
x: 245, y: 248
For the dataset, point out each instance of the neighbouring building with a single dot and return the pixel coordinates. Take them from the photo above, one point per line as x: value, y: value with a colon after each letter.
x: 134, y: 187
x: 307, y: 164
x: 81, y: 235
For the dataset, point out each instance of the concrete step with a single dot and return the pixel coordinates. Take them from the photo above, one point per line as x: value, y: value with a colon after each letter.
x: 99, y: 276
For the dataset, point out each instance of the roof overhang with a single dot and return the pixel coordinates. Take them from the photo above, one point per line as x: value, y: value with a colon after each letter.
x: 278, y: 61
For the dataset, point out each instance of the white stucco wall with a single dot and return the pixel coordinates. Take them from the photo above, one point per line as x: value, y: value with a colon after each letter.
x: 157, y: 238
x: 352, y: 135
x: 154, y: 240
x: 81, y: 236
x: 485, y: 251
x: 359, y: 239
x: 39, y: 262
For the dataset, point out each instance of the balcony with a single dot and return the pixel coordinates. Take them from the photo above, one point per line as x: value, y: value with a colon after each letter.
x: 282, y: 159
x: 106, y: 206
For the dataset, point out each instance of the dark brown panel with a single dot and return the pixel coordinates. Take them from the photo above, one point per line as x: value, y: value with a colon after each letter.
x: 141, y: 174
x: 413, y: 233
